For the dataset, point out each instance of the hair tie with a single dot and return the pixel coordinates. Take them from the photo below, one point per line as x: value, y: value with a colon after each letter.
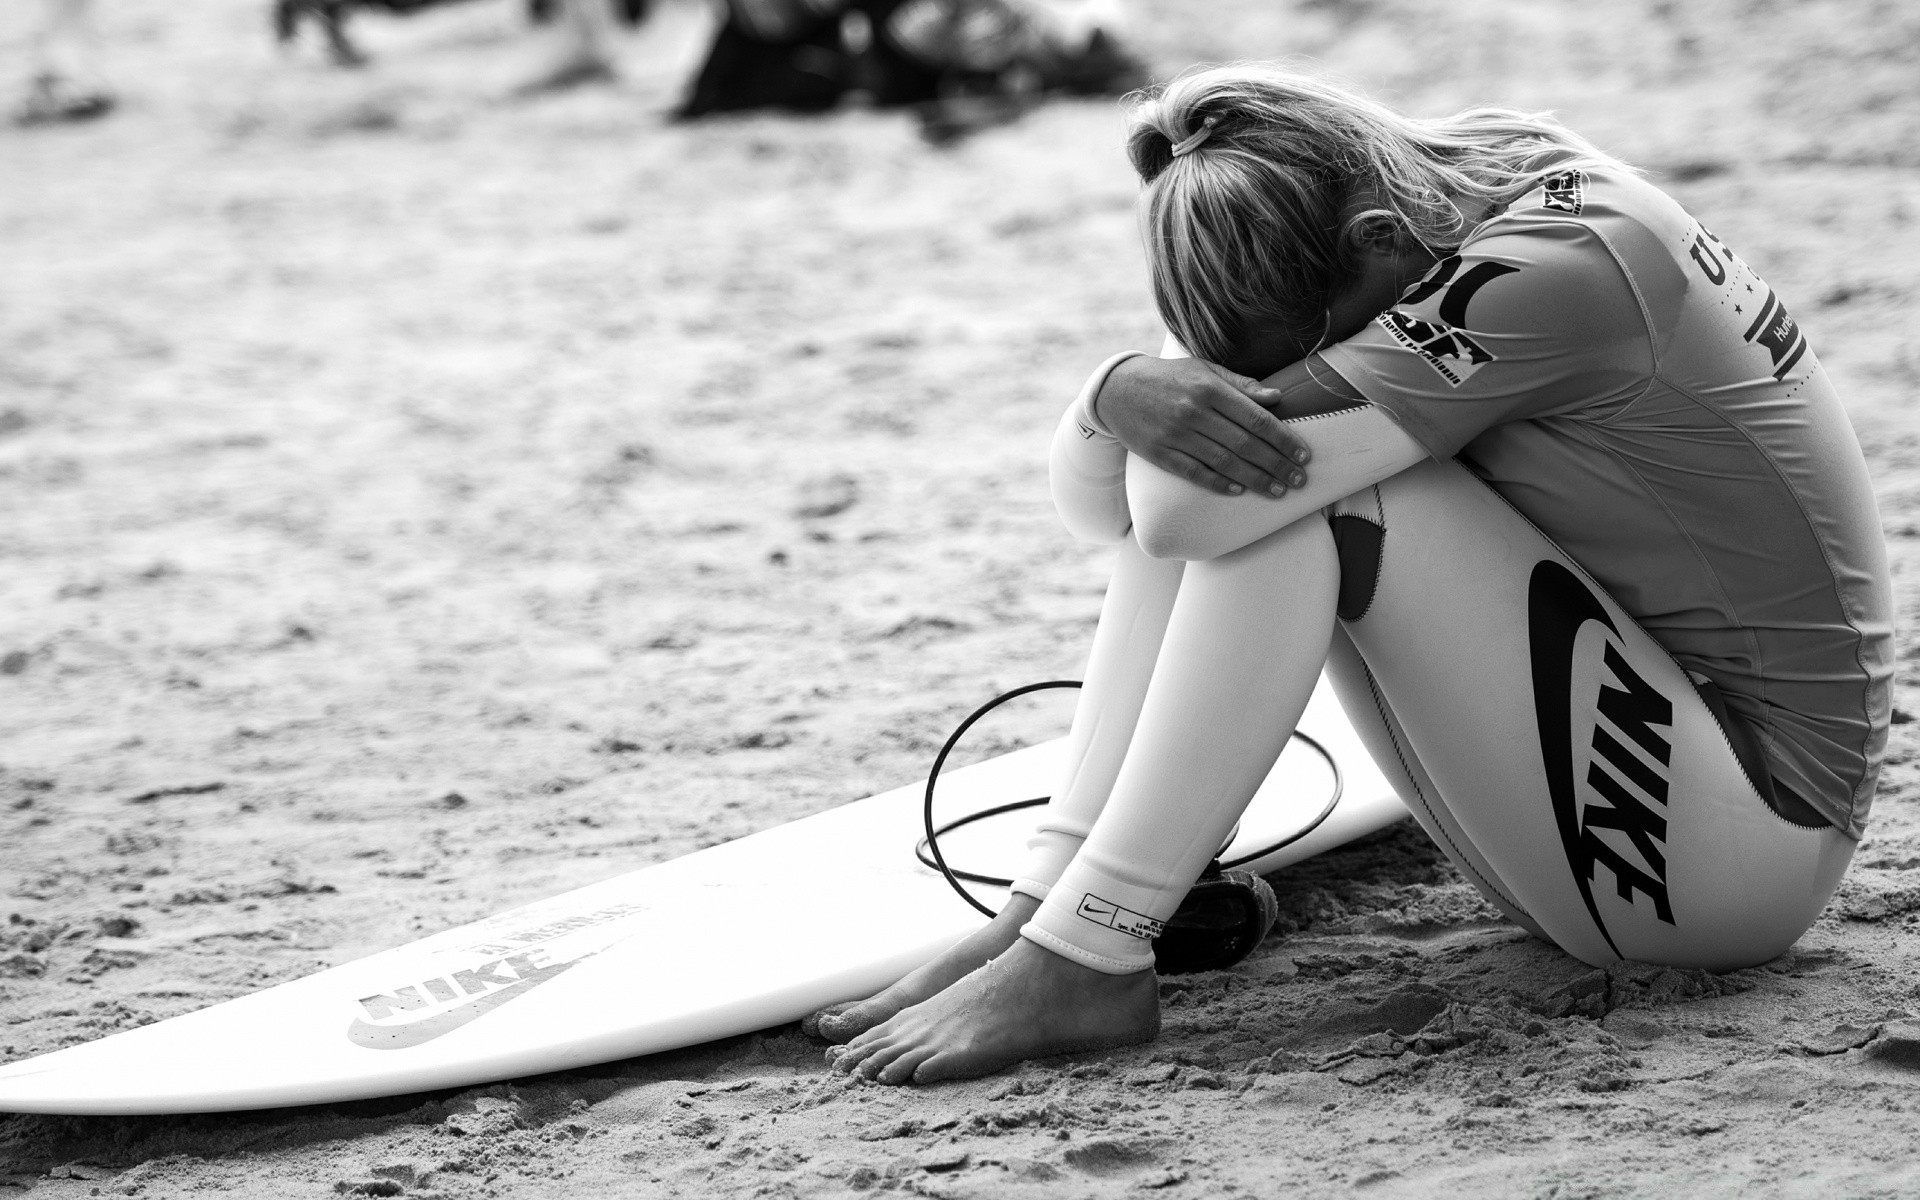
x: 1190, y: 144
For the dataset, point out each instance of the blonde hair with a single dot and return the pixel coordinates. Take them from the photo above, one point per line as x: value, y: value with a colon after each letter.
x: 1260, y: 221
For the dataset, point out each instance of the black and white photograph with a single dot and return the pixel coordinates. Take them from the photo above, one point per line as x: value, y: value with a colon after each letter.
x: 959, y: 598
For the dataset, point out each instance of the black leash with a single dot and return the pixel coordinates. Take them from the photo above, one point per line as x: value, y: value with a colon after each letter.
x: 930, y: 844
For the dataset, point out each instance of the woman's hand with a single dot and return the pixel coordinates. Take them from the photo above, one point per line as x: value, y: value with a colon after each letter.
x: 1202, y: 423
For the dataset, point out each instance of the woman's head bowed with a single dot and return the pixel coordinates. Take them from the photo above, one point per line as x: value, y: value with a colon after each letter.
x: 1264, y: 185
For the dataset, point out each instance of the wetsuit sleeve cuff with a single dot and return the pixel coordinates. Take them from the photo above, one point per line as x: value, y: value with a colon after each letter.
x: 1087, y: 467
x: 1437, y: 442
x: 1030, y: 887
x: 1086, y: 407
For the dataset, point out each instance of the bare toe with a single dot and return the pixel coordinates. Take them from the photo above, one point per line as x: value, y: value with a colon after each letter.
x: 849, y: 1021
x: 866, y: 1038
x: 848, y: 1059
x: 882, y: 1057
x: 1029, y: 1003
x: 905, y: 1069
x: 938, y: 1066
x: 813, y: 1024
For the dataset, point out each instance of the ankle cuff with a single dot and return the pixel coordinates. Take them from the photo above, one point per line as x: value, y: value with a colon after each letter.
x: 1100, y: 962
x: 1101, y: 919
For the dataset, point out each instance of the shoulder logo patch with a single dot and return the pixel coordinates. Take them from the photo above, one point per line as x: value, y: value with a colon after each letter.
x: 1777, y: 331
x: 1565, y: 192
x: 1771, y: 327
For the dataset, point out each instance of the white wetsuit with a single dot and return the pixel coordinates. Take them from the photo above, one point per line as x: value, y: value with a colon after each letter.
x: 1614, y: 609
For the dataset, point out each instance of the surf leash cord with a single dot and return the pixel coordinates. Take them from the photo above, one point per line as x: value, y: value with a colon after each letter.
x: 927, y: 850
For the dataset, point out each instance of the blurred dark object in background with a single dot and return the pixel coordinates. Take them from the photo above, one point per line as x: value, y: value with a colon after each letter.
x: 52, y: 97
x: 632, y: 12
x: 331, y: 15
x: 66, y: 83
x: 790, y: 55
x: 962, y: 64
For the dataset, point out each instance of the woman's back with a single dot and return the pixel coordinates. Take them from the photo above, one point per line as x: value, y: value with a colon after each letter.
x: 1643, y: 397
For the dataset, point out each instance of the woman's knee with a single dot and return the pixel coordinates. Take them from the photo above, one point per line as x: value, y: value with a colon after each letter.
x: 1307, y: 541
x: 1300, y: 560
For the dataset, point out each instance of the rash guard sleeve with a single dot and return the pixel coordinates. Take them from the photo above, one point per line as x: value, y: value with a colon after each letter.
x: 1532, y: 319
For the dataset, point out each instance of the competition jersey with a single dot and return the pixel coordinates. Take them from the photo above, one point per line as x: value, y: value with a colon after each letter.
x: 1640, y: 394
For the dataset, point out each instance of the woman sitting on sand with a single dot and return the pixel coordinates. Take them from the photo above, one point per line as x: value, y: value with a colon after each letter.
x: 1613, y: 609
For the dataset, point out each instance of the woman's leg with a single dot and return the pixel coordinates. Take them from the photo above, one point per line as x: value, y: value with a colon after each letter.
x: 1127, y: 647
x: 1571, y: 767
x: 1386, y: 742
x: 1563, y: 757
x: 1126, y: 644
x: 1243, y: 648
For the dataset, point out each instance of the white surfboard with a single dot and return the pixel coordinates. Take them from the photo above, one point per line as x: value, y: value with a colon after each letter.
x: 742, y: 936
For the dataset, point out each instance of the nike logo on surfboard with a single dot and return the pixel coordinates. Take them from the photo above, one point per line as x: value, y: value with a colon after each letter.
x: 419, y: 1032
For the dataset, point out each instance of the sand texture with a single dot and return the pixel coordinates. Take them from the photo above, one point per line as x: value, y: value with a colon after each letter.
x: 416, y: 501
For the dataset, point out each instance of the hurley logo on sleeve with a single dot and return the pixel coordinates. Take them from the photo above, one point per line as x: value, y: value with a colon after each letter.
x: 1773, y: 329
x: 1428, y: 320
x: 1777, y: 331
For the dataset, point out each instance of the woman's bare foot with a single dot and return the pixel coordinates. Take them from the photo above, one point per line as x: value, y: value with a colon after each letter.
x: 841, y: 1022
x: 1028, y: 1003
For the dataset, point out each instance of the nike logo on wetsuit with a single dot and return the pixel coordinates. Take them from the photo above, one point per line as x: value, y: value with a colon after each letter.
x: 1113, y: 916
x: 1558, y: 606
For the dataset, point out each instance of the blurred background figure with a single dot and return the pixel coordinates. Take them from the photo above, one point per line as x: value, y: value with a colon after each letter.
x: 66, y: 82
x: 790, y: 54
x: 583, y: 52
x: 964, y: 64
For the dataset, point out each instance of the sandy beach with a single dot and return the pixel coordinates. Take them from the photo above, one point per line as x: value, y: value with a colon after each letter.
x: 417, y: 501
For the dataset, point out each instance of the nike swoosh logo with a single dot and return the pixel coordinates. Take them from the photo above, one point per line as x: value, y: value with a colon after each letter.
x: 426, y: 1029
x: 1558, y: 604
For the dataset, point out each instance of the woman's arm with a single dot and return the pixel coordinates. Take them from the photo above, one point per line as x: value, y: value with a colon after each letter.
x: 1102, y: 492
x: 1201, y: 422
x: 1355, y: 445
x: 1193, y: 419
x: 1087, y: 468
x: 1353, y: 448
